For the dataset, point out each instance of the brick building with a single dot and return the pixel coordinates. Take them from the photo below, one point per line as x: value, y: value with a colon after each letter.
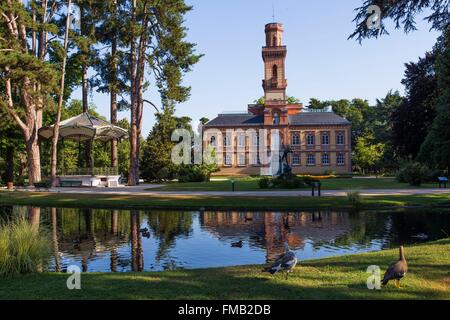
x: 253, y: 142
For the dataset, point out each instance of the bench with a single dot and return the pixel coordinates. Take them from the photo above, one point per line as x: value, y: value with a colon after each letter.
x: 70, y: 183
x: 442, y: 182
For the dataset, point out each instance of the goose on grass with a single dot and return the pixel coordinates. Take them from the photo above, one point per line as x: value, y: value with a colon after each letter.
x: 284, y: 263
x: 397, y: 270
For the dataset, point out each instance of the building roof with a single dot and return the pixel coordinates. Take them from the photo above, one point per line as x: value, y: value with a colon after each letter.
x: 300, y: 119
x: 231, y: 120
x: 317, y: 118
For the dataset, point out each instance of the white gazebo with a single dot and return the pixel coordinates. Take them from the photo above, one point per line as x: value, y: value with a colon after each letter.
x: 85, y: 127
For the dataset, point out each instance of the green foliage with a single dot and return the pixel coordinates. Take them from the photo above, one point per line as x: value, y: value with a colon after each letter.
x: 24, y: 248
x: 403, y: 14
x: 367, y: 154
x: 414, y: 173
x: 282, y: 182
x: 156, y: 164
x: 196, y: 173
x: 435, y: 151
x: 354, y: 199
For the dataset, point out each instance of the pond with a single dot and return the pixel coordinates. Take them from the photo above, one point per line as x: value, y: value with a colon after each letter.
x: 99, y: 240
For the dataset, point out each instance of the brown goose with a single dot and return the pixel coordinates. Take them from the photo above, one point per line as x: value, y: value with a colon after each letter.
x: 397, y: 270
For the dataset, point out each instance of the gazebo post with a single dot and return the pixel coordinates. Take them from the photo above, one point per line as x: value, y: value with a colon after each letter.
x: 92, y: 157
x: 62, y: 152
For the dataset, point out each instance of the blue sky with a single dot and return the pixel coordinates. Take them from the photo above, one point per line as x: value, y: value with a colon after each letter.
x: 321, y: 62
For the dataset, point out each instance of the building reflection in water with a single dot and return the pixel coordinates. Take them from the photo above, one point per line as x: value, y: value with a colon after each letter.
x: 270, y: 230
x: 122, y: 240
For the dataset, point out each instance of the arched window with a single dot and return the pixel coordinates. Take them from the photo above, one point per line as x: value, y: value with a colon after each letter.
x: 276, y: 118
x: 274, y: 72
x: 213, y: 141
x: 274, y: 41
x: 296, y: 139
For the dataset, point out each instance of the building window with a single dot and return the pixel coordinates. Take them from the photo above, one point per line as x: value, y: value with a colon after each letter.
x: 276, y: 118
x: 274, y: 72
x: 255, y: 140
x: 340, y: 159
x: 212, y: 141
x: 325, y: 159
x: 255, y: 159
x: 296, y: 139
x: 325, y: 139
x: 241, y: 140
x: 241, y: 160
x: 228, y: 161
x: 311, y: 160
x: 310, y: 139
x: 274, y: 41
x: 340, y: 140
x: 226, y: 141
x: 296, y: 159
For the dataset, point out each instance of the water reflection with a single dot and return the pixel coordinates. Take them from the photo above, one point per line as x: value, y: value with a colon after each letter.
x: 122, y: 240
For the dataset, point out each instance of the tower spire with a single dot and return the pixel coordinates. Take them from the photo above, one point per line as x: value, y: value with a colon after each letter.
x: 273, y: 11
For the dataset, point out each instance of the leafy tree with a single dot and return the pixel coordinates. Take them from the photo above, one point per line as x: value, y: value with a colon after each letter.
x: 403, y: 13
x: 204, y: 120
x: 435, y: 150
x: 367, y: 154
x: 26, y: 74
x: 289, y: 100
x: 156, y: 156
x: 414, y: 116
x: 156, y: 41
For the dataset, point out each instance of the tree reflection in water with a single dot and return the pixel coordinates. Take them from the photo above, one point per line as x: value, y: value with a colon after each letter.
x: 122, y: 240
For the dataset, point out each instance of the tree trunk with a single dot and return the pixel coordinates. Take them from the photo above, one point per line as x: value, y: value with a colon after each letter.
x: 133, y: 175
x: 33, y: 156
x: 9, y: 159
x: 54, y: 161
x: 114, y: 154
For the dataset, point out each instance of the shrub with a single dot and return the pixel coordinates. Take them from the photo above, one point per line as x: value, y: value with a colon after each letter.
x: 354, y: 199
x: 414, y: 173
x: 264, y: 183
x: 43, y: 184
x: 282, y: 182
x: 196, y: 173
x: 23, y: 248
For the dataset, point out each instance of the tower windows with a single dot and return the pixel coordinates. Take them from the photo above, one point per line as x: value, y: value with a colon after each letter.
x: 274, y: 41
x: 274, y: 72
x: 276, y: 118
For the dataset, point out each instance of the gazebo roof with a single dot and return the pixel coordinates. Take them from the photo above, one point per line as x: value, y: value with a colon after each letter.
x: 85, y: 127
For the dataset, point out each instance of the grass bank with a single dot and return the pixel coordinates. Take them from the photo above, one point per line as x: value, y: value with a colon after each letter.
x: 251, y: 184
x: 332, y: 278
x: 195, y: 202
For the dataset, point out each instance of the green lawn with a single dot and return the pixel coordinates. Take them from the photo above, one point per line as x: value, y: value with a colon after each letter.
x: 193, y: 202
x: 251, y: 184
x: 332, y: 278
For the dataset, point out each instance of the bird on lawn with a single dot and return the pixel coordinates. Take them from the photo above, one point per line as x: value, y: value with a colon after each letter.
x: 286, y: 262
x: 397, y: 270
